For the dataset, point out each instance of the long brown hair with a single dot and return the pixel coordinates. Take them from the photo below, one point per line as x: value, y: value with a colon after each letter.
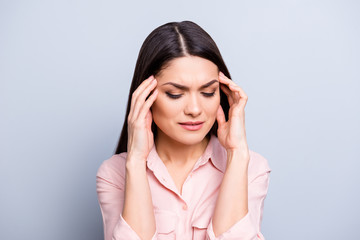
x: 165, y: 43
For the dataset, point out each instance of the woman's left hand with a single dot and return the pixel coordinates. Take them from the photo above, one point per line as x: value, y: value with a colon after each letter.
x: 231, y: 134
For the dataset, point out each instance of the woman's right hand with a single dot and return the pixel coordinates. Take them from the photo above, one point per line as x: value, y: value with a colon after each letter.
x: 140, y: 136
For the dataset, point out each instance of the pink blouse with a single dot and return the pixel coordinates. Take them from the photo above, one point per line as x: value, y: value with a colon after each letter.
x: 186, y: 216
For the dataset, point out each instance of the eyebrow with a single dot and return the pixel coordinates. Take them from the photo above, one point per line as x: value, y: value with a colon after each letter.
x: 182, y: 87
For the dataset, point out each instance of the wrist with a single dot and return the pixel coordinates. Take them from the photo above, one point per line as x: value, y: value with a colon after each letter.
x: 238, y: 155
x: 133, y: 162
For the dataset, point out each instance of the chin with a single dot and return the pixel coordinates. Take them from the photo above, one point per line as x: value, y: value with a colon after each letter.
x: 190, y: 139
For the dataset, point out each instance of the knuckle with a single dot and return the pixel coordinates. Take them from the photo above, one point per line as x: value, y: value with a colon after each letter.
x: 134, y: 95
x: 133, y: 125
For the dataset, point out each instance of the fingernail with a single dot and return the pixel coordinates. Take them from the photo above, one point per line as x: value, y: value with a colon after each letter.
x: 221, y: 74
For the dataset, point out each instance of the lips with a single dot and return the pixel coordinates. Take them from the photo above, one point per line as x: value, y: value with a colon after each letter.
x: 191, y: 123
x: 192, y: 126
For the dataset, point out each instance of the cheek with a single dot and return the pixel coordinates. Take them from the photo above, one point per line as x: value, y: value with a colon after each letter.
x: 164, y: 108
x: 212, y: 106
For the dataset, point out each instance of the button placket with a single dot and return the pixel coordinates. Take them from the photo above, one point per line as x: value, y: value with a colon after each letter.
x: 185, y: 207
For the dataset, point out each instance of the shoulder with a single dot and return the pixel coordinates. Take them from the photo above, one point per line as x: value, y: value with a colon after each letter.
x: 113, y: 169
x: 258, y: 165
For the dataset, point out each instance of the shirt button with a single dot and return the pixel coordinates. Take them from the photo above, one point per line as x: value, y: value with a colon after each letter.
x: 185, y: 207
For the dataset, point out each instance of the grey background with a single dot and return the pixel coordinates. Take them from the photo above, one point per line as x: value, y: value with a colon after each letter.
x: 65, y: 70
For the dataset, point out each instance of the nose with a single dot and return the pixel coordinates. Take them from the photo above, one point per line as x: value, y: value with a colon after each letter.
x: 193, y: 106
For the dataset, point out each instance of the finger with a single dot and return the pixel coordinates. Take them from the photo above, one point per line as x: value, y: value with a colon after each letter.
x: 148, y: 119
x: 242, y: 96
x: 225, y: 80
x: 139, y: 90
x: 225, y: 89
x: 148, y: 103
x: 227, y: 92
x: 141, y: 99
x: 235, y: 91
x: 229, y: 83
x: 230, y: 91
x: 220, y: 116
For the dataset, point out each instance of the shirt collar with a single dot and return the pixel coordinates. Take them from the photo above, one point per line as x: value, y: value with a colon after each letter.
x: 214, y: 151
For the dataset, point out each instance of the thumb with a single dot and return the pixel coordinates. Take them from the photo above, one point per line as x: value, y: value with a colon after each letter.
x: 220, y: 116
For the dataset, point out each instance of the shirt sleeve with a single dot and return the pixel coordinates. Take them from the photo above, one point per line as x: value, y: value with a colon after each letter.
x: 248, y: 227
x: 110, y: 185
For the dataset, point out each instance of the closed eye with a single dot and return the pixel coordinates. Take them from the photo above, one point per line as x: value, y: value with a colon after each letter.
x: 208, y: 94
x: 176, y: 96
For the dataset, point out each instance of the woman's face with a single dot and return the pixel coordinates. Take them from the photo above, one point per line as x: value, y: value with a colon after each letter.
x: 188, y: 99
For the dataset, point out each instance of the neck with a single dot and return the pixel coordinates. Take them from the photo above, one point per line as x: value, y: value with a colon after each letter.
x: 176, y: 153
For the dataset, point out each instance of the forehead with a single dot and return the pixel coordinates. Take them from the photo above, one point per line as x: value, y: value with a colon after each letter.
x: 188, y: 70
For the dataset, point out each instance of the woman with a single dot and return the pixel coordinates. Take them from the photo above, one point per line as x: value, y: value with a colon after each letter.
x: 182, y: 168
